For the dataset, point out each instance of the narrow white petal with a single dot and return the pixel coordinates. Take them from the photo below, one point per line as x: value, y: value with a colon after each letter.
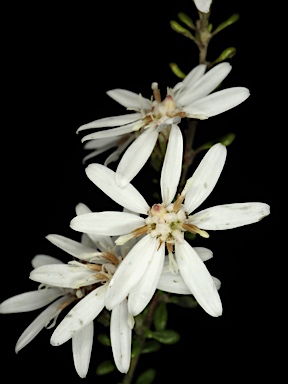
x: 63, y: 275
x: 111, y: 121
x: 172, y: 282
x: 194, y: 75
x: 172, y: 166
x: 218, y: 102
x: 136, y: 156
x: 205, y: 177
x: 107, y: 223
x: 72, y: 247
x: 203, y: 5
x: 81, y: 315
x: 39, y: 323
x: 230, y: 215
x: 128, y: 197
x: 204, y: 253
x: 40, y: 260
x: 82, y: 344
x: 121, y: 335
x: 98, y: 152
x: 29, y: 301
x: 130, y: 270
x: 217, y: 282
x: 198, y: 279
x: 142, y: 293
x: 106, y: 142
x: 205, y: 85
x: 114, y: 156
x: 129, y: 99
x: 109, y: 132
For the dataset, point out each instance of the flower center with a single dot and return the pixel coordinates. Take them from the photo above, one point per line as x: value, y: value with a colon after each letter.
x: 166, y: 224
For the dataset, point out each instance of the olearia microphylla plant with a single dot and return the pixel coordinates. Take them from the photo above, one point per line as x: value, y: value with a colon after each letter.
x: 130, y: 264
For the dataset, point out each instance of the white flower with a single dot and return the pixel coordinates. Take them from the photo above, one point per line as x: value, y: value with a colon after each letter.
x: 57, y: 297
x: 165, y: 224
x: 191, y: 98
x: 203, y: 5
x: 91, y: 276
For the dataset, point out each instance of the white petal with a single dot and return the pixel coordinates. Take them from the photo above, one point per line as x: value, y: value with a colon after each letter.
x: 172, y: 165
x: 107, y: 223
x: 99, y: 151
x: 203, y: 5
x: 29, y: 301
x: 130, y: 270
x: 82, y: 344
x: 217, y: 282
x: 121, y: 335
x: 198, y: 279
x: 109, y: 132
x: 205, y: 177
x: 39, y: 323
x: 194, y: 75
x: 81, y: 315
x: 108, y: 142
x: 82, y: 208
x: 172, y: 282
x: 111, y: 121
x: 40, y: 260
x: 74, y: 248
x: 142, y: 293
x: 218, y: 102
x: 129, y: 99
x: 230, y: 215
x: 205, y: 85
x: 136, y: 156
x: 63, y: 275
x: 128, y: 197
x: 204, y: 253
x: 114, y: 156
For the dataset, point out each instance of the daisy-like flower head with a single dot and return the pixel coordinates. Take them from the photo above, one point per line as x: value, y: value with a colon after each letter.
x: 90, y: 276
x: 191, y: 98
x: 164, y: 226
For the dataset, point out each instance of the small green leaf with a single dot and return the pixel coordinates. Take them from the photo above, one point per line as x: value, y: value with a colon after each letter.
x: 228, y: 139
x: 160, y: 316
x: 185, y: 301
x: 146, y: 377
x: 231, y: 20
x: 151, y: 346
x: 177, y: 71
x: 179, y: 29
x: 167, y: 336
x: 136, y: 348
x: 228, y: 53
x: 104, y: 339
x: 105, y: 367
x: 186, y: 20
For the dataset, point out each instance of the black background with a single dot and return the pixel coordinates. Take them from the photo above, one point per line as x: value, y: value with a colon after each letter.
x: 58, y: 63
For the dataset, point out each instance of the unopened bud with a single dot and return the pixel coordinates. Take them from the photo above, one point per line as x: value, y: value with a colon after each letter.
x: 228, y: 53
x: 177, y: 71
x: 179, y: 29
x: 231, y: 20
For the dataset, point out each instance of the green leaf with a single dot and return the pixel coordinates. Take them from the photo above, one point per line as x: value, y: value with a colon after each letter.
x: 151, y: 346
x: 231, y: 20
x: 228, y: 53
x: 136, y: 348
x: 167, y: 336
x: 147, y: 377
x: 177, y: 71
x: 104, y: 339
x: 160, y: 316
x: 186, y: 20
x: 179, y: 29
x: 105, y: 367
x: 185, y: 301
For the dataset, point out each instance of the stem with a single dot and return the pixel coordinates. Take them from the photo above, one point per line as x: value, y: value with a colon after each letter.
x: 142, y: 339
